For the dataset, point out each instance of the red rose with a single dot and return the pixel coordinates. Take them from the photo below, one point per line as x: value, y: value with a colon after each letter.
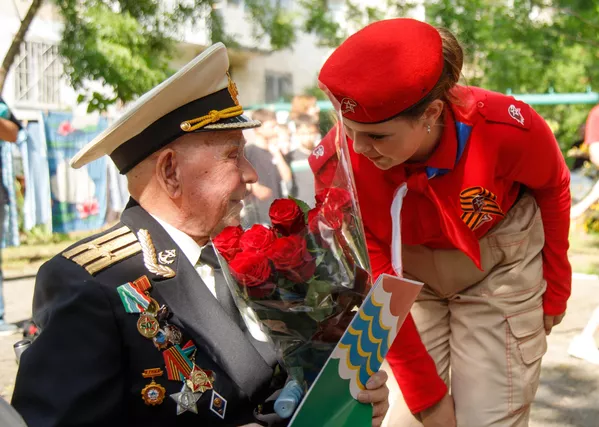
x: 333, y: 216
x: 286, y: 217
x: 261, y: 291
x: 227, y: 242
x: 301, y: 274
x: 328, y: 214
x: 291, y: 257
x: 250, y: 268
x: 314, y: 219
x: 337, y: 198
x: 257, y: 239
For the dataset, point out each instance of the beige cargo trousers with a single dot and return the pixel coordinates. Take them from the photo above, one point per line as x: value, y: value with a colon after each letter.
x: 484, y: 329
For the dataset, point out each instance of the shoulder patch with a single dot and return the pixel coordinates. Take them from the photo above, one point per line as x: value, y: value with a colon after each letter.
x: 104, y: 251
x: 500, y: 108
x: 324, y: 160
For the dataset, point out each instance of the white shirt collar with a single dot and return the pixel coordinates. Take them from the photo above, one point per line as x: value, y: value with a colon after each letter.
x: 189, y: 246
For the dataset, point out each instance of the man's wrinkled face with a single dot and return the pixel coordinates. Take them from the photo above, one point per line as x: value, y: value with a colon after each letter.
x: 213, y: 174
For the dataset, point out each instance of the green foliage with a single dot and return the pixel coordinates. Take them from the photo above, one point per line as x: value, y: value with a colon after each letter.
x: 272, y: 22
x: 41, y: 235
x: 528, y: 47
x: 316, y: 92
x: 591, y: 220
x: 123, y: 45
x: 318, y: 20
x: 304, y: 207
x: 327, y: 119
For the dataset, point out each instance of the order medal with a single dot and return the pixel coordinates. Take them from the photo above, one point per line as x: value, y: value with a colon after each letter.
x: 200, y: 380
x: 153, y: 393
x: 173, y: 334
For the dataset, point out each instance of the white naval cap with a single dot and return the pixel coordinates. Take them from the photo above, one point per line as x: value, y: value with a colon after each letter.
x: 200, y: 97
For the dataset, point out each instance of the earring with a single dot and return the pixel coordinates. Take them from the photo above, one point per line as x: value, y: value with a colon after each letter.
x: 428, y: 128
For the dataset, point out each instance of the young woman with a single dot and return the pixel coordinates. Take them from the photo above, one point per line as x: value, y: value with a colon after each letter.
x: 484, y: 223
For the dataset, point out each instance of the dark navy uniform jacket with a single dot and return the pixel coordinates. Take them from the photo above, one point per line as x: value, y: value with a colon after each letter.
x: 85, y: 369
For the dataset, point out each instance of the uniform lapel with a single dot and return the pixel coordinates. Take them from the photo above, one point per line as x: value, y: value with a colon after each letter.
x: 199, y: 312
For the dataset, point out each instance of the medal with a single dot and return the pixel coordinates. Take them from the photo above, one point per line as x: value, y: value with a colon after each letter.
x: 160, y: 340
x: 153, y: 394
x: 218, y: 404
x: 173, y: 334
x: 186, y: 400
x: 200, y: 380
x: 177, y: 363
x: 147, y: 325
x: 163, y: 313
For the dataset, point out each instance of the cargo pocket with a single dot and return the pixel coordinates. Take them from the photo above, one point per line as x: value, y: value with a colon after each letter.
x: 526, y: 345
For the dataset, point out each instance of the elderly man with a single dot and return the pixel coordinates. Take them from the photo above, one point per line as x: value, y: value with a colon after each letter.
x: 138, y: 327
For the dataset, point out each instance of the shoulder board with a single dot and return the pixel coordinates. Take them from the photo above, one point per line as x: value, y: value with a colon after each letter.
x: 499, y: 108
x: 104, y: 251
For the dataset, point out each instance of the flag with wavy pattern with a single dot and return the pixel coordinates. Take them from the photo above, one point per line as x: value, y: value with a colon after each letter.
x: 331, y: 401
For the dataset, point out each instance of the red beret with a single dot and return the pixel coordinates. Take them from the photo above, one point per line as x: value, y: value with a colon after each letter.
x: 384, y: 69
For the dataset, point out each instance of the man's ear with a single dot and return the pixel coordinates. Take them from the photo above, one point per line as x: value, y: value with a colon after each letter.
x: 168, y: 173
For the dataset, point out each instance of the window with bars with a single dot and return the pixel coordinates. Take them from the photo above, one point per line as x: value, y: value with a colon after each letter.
x: 38, y: 75
x: 278, y: 86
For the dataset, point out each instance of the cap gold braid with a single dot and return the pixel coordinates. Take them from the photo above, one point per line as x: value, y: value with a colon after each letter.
x: 212, y: 117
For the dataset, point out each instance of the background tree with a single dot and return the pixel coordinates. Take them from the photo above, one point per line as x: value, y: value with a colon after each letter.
x: 528, y: 46
x: 127, y: 45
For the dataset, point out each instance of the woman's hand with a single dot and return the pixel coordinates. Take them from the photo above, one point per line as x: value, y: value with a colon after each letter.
x: 376, y: 393
x: 442, y: 414
x: 551, y: 321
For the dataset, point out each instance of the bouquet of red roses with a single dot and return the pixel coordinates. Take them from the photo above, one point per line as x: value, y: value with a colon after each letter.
x: 303, y: 277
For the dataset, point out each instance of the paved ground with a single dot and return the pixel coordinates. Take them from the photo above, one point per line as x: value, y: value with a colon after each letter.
x: 568, y: 395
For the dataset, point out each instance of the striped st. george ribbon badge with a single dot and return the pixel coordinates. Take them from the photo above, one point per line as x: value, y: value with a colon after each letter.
x: 478, y: 205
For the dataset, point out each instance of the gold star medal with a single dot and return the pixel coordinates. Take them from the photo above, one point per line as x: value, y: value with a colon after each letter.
x: 153, y: 394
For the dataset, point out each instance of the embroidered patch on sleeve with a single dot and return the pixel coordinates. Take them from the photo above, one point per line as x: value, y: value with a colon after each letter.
x: 478, y: 205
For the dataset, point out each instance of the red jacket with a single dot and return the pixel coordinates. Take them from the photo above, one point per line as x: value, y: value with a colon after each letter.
x: 491, y: 146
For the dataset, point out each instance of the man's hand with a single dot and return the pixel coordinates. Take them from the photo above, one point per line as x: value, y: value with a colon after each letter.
x: 376, y: 393
x: 551, y: 321
x: 442, y: 414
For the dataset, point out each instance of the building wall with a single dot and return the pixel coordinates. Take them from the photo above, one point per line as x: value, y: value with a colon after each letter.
x: 45, y: 30
x: 294, y: 69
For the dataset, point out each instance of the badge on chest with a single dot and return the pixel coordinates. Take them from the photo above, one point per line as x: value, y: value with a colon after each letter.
x: 179, y: 359
x: 479, y: 205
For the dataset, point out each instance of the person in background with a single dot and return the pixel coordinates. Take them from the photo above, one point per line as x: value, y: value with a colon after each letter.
x: 274, y: 175
x: 306, y: 136
x: 303, y: 104
x: 591, y: 134
x: 583, y: 346
x: 284, y: 139
x: 9, y: 130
